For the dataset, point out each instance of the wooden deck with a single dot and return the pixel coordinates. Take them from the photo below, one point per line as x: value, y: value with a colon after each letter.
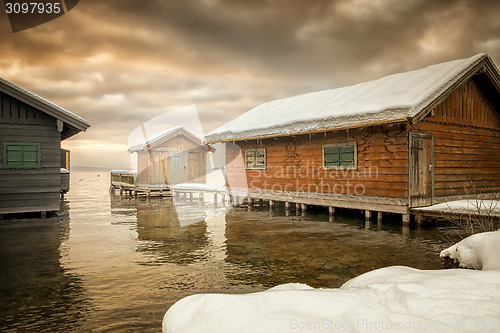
x: 125, y: 182
x: 460, y: 209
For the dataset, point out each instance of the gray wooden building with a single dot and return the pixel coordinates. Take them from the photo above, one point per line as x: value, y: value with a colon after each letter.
x: 31, y: 131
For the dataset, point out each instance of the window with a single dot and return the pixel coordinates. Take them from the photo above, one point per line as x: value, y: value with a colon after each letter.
x: 255, y: 158
x: 21, y: 155
x: 340, y: 156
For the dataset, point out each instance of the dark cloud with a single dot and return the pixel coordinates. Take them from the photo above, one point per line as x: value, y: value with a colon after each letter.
x: 118, y: 63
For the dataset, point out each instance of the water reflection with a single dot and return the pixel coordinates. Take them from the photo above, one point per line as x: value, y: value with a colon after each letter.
x: 122, y: 262
x: 262, y: 248
x: 280, y: 249
x: 36, y: 293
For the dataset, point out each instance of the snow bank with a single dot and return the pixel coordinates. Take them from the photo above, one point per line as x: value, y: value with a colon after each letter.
x: 466, y: 206
x: 479, y: 251
x: 388, y: 299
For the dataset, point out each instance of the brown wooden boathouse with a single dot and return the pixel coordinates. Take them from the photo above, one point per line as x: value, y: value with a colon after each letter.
x: 407, y: 140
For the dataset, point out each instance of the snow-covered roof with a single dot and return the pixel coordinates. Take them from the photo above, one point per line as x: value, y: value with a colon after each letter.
x: 394, y: 98
x: 163, y: 134
x: 73, y: 123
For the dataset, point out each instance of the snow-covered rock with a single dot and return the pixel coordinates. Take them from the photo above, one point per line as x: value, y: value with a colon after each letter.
x: 393, y: 298
x: 479, y: 251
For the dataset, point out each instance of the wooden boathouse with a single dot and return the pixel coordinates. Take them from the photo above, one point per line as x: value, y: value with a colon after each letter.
x: 406, y: 140
x: 34, y: 170
x: 171, y: 157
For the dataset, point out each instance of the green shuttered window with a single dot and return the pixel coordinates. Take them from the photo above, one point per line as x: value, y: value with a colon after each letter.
x: 343, y: 155
x: 22, y: 155
x: 255, y: 158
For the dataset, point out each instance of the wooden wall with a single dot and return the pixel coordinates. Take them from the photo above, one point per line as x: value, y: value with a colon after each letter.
x: 466, y: 132
x: 295, y: 163
x: 35, y: 189
x: 187, y: 166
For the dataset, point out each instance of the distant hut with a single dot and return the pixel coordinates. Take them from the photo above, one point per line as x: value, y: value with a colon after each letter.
x: 171, y: 157
x: 403, y: 141
x: 31, y: 158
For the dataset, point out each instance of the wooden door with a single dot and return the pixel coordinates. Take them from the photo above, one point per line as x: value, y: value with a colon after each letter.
x: 421, y: 169
x: 177, y: 172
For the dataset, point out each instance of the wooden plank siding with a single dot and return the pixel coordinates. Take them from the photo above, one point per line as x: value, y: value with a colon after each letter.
x: 465, y: 129
x: 294, y: 164
x: 163, y: 163
x: 466, y: 132
x: 29, y: 190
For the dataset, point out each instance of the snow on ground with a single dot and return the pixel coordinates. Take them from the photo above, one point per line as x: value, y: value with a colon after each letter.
x: 465, y: 207
x: 388, y: 299
x: 400, y: 299
x: 479, y: 251
x: 199, y: 187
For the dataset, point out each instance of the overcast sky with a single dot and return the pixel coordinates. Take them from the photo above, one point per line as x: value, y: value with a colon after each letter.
x: 120, y: 63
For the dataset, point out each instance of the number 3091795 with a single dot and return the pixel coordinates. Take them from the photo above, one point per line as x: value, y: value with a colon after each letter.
x: 33, y: 8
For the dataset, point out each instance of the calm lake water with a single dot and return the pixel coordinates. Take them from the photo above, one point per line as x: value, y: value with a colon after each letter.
x: 107, y: 264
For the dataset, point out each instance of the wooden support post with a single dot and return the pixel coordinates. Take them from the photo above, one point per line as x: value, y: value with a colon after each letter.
x: 379, y: 218
x: 215, y: 198
x: 297, y: 209
x: 331, y: 214
x: 368, y: 216
x: 287, y: 208
x: 271, y: 205
x: 419, y: 219
x: 406, y: 219
x: 190, y: 196
x: 43, y: 215
x: 223, y: 199
x: 303, y: 207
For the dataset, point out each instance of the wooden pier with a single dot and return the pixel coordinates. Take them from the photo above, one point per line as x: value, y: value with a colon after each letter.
x: 373, y: 208
x: 125, y: 182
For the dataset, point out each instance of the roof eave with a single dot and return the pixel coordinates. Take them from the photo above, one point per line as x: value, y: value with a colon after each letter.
x: 321, y: 130
x: 45, y: 106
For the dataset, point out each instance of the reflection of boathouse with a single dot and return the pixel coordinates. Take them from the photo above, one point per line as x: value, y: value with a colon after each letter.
x: 171, y: 157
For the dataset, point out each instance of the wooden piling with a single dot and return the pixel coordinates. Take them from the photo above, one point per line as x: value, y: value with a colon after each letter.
x: 303, y: 207
x: 331, y: 214
x: 406, y: 219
